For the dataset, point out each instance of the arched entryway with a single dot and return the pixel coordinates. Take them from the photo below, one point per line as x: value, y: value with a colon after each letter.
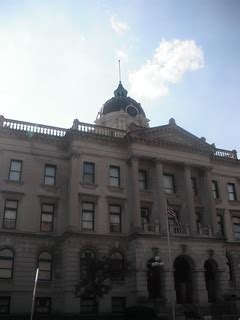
x: 183, y: 280
x: 211, y: 271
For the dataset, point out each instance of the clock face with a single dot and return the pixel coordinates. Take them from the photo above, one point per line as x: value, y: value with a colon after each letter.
x: 132, y: 111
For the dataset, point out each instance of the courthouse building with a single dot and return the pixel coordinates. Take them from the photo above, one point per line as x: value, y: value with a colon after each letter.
x: 105, y: 190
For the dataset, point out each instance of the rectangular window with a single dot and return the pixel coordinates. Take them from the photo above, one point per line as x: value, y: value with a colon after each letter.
x: 10, y: 214
x: 47, y: 213
x: 42, y: 305
x: 236, y: 227
x: 88, y: 305
x: 88, y: 172
x: 115, y: 218
x: 15, y: 170
x: 114, y: 176
x: 168, y: 183
x: 232, y: 192
x: 194, y: 186
x: 145, y: 216
x: 88, y: 215
x: 220, y: 223
x: 142, y: 177
x: 50, y: 175
x: 5, y: 305
x: 118, y: 304
x: 215, y: 189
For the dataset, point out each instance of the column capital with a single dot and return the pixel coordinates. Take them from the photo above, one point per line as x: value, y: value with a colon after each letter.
x: 159, y: 161
x: 74, y: 154
x: 133, y: 159
x: 207, y: 169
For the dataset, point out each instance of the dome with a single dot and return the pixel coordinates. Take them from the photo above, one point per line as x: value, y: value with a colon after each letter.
x: 121, y: 101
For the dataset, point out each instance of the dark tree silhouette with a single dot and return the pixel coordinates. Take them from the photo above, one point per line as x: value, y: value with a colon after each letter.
x: 97, y: 279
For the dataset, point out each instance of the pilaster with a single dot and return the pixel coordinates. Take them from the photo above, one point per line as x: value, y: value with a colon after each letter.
x: 190, y: 200
x: 73, y: 214
x: 161, y: 197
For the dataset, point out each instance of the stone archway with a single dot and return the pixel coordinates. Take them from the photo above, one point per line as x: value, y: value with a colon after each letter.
x: 211, y: 271
x: 183, y: 280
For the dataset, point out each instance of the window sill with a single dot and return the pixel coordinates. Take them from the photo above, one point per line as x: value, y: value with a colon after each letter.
x: 89, y: 185
x: 48, y: 187
x: 18, y: 183
x: 115, y: 189
x: 145, y: 191
x: 234, y: 202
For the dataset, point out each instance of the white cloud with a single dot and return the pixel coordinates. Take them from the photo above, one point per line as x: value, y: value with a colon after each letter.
x: 118, y: 26
x: 169, y: 63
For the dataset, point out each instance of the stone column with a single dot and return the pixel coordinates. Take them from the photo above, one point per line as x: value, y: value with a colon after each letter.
x: 201, y: 287
x: 210, y: 199
x: 136, y: 207
x: 73, y: 186
x: 190, y: 200
x: 228, y: 228
x: 161, y: 197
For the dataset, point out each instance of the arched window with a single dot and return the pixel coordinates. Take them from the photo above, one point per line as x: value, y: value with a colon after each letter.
x: 45, y: 266
x: 87, y: 264
x: 6, y: 263
x: 117, y: 266
x: 230, y: 270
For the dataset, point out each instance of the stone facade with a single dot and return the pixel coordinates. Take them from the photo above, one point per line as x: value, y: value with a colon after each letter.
x: 155, y: 169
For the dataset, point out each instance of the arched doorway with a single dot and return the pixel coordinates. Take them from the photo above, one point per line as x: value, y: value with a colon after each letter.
x: 183, y: 280
x: 211, y: 270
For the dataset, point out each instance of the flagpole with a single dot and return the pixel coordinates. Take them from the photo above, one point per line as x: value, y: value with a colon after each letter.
x: 34, y: 293
x: 170, y: 262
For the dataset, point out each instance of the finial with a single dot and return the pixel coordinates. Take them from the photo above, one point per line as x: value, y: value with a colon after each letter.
x: 119, y: 70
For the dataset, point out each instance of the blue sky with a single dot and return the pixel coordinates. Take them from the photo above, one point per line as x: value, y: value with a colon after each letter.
x: 181, y: 59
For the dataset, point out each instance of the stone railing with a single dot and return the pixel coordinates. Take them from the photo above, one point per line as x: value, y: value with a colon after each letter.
x: 226, y: 153
x: 151, y: 228
x: 96, y: 129
x: 181, y: 230
x: 31, y: 127
x: 60, y: 132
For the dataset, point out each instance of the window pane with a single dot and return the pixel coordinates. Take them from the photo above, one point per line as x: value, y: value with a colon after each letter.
x: 115, y: 209
x: 4, y: 305
x: 9, y: 224
x: 14, y: 176
x: 6, y: 253
x: 16, y: 165
x: 88, y: 178
x: 47, y: 207
x: 45, y: 255
x: 114, y: 218
x: 44, y: 265
x: 49, y: 181
x: 46, y: 226
x: 87, y: 206
x: 87, y: 225
x: 11, y: 204
x: 87, y: 216
x: 9, y: 214
x: 44, y: 275
x: 47, y: 217
x: 114, y: 172
x: 88, y: 167
x: 43, y: 305
x: 114, y: 182
x: 5, y: 273
x: 5, y: 264
x: 168, y: 181
x: 50, y: 171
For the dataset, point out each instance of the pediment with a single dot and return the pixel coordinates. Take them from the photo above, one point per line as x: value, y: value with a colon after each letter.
x: 172, y: 134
